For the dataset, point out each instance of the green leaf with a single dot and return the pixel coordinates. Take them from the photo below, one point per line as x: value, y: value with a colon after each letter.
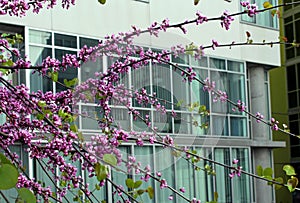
x: 216, y: 196
x: 8, y: 63
x: 289, y: 170
x: 268, y: 172
x: 279, y: 180
x: 102, y: 1
x: 74, y: 128
x: 137, y: 184
x: 8, y: 176
x: 101, y: 171
x: 54, y: 76
x: 292, y: 183
x: 4, y: 71
x: 40, y: 116
x: 110, y: 159
x: 267, y: 4
x: 42, y: 103
x: 150, y: 192
x: 97, y: 186
x: 259, y: 170
x: 26, y: 196
x: 70, y: 83
x: 129, y: 183
x: 140, y: 192
x: 4, y: 159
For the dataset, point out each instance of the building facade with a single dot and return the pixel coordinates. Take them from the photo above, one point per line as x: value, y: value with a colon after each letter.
x: 286, y: 105
x: 240, y: 71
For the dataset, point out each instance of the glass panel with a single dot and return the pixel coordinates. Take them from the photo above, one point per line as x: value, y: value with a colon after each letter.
x: 264, y: 18
x: 69, y: 74
x: 65, y: 40
x: 203, y: 62
x: 293, y: 99
x: 198, y: 95
x: 121, y: 118
x: 290, y: 52
x: 41, y: 171
x: 119, y: 177
x: 221, y: 81
x: 185, y: 177
x: 219, y: 125
x: 141, y: 79
x: 223, y: 181
x: 161, y: 80
x: 145, y: 156
x: 88, y: 42
x: 289, y: 32
x: 204, y: 182
x: 238, y: 126
x: 181, y: 90
x: 40, y: 37
x: 12, y: 194
x: 235, y: 66
x: 96, y: 195
x: 37, y: 82
x: 163, y: 122
x: 166, y: 167
x: 182, y: 123
x: 291, y: 75
x: 90, y: 117
x: 200, y: 125
x: 236, y: 90
x: 217, y: 63
x: 181, y: 59
x: 241, y: 185
x: 90, y: 67
x: 138, y: 124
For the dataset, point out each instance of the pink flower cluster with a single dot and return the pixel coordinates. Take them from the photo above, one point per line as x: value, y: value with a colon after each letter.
x: 252, y: 9
x: 20, y: 7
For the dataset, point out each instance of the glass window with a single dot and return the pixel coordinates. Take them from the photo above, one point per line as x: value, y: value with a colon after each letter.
x: 138, y: 124
x: 238, y: 126
x: 181, y: 59
x: 68, y: 74
x: 182, y: 123
x: 241, y: 185
x: 166, y: 167
x: 145, y: 156
x: 88, y: 42
x: 293, y: 99
x: 90, y: 117
x: 223, y: 182
x: 217, y: 63
x: 219, y: 125
x: 121, y: 118
x: 163, y: 122
x: 204, y: 182
x: 181, y: 89
x: 90, y: 67
x: 264, y: 18
x: 203, y: 62
x: 65, y: 40
x: 40, y: 37
x: 291, y: 75
x: 198, y: 95
x: 37, y: 82
x: 235, y: 66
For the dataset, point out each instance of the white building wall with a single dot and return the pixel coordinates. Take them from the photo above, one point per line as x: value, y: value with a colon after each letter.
x: 92, y: 19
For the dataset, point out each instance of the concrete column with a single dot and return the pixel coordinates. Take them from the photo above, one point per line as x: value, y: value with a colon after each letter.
x: 260, y: 156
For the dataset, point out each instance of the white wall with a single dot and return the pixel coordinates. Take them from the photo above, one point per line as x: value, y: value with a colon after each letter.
x: 90, y: 18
